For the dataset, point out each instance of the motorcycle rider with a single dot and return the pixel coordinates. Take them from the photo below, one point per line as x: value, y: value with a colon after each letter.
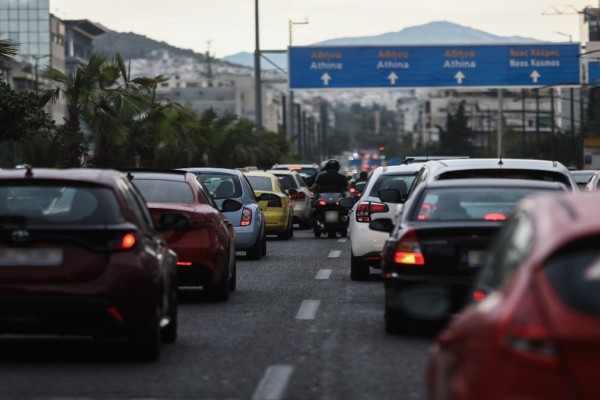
x: 330, y: 180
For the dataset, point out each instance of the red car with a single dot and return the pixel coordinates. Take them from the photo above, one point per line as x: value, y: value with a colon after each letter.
x: 206, y: 251
x: 533, y: 330
x: 81, y: 255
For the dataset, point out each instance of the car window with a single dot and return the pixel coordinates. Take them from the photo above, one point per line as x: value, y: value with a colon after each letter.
x: 164, y: 191
x: 392, y: 182
x: 260, y: 182
x: 221, y: 186
x: 287, y: 181
x: 574, y: 272
x: 548, y: 176
x: 466, y: 204
x: 512, y: 246
x: 61, y: 203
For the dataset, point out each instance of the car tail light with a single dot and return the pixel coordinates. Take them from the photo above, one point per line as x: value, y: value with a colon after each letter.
x: 364, y: 210
x: 321, y: 203
x: 494, y: 217
x: 184, y: 263
x: 275, y: 201
x: 113, y: 312
x: 122, y: 241
x: 478, y: 296
x: 352, y: 190
x: 299, y: 196
x: 246, y: 217
x: 408, y: 251
x: 526, y: 336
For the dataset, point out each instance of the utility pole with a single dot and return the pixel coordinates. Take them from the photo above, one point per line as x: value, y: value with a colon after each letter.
x: 257, y: 71
x: 291, y: 119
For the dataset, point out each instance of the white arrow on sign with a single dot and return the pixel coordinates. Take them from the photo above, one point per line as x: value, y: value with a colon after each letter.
x: 459, y: 77
x: 535, y: 76
x: 325, y: 78
x: 393, y: 78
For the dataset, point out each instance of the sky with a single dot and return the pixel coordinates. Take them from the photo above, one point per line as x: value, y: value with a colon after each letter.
x: 226, y: 27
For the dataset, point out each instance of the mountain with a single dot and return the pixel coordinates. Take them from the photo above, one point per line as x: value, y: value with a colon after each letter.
x: 132, y: 45
x: 437, y: 32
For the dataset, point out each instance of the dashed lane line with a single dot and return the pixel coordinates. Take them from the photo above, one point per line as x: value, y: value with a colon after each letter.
x: 323, y: 274
x: 308, y: 309
x: 273, y: 383
x: 335, y: 253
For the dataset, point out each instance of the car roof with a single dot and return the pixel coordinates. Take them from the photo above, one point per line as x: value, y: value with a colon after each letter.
x: 212, y: 170
x: 506, y: 163
x: 495, y: 183
x: 91, y: 175
x: 413, y: 167
x: 260, y: 173
x: 282, y: 172
x: 573, y: 215
x: 171, y: 175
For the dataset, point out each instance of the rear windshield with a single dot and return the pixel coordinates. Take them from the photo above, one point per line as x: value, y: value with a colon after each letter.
x: 260, y: 183
x: 467, y: 204
x: 164, y: 191
x: 574, y: 272
x: 221, y: 186
x: 392, y: 182
x: 60, y: 204
x: 537, y: 175
x: 287, y: 181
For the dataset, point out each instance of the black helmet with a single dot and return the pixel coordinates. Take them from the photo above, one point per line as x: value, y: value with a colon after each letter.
x: 332, y: 165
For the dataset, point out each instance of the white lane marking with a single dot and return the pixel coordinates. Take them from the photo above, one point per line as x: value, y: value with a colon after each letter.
x: 342, y: 240
x: 273, y: 383
x: 335, y: 253
x: 323, y: 274
x: 308, y: 309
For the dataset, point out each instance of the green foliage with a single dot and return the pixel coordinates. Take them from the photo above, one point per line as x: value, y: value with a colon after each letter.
x: 132, y: 45
x: 457, y: 138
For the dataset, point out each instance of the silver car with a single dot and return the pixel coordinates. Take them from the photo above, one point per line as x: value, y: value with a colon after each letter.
x: 301, y: 200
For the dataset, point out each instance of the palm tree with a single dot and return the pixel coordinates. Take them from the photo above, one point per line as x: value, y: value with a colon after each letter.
x: 8, y: 49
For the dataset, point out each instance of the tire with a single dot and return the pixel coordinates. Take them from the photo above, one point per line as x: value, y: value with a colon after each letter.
x: 145, y: 341
x: 359, y: 271
x: 317, y: 231
x: 233, y: 279
x: 396, y: 322
x: 288, y: 233
x: 263, y: 245
x: 344, y: 233
x: 169, y: 332
x: 255, y: 252
x: 219, y: 291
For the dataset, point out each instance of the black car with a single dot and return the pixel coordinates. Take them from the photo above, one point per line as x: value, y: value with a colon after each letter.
x: 432, y: 256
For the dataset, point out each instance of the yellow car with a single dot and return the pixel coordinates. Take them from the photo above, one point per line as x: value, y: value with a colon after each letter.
x: 279, y: 211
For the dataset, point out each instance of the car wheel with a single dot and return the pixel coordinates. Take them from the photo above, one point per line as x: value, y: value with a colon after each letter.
x: 263, y: 245
x: 255, y: 252
x: 219, y: 291
x: 145, y: 341
x: 288, y: 233
x: 169, y: 332
x: 344, y: 233
x: 233, y: 279
x: 317, y: 231
x: 359, y: 271
x: 395, y: 321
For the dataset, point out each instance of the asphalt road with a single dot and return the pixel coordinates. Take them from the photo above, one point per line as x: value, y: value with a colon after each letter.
x: 296, y: 328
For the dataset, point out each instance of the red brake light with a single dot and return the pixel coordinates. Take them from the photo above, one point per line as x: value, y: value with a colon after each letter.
x: 300, y: 196
x: 526, y: 336
x: 128, y: 241
x: 408, y: 251
x: 364, y: 210
x: 321, y: 203
x: 184, y: 263
x: 115, y: 314
x: 246, y: 217
x: 478, y: 296
x: 494, y: 217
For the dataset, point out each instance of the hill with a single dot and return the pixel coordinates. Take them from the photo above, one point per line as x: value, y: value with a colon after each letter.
x: 437, y: 32
x: 131, y: 46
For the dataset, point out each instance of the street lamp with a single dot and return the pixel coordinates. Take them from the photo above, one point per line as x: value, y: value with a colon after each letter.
x: 565, y: 34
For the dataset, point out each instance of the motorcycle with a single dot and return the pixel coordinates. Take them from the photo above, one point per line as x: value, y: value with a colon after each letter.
x: 330, y: 216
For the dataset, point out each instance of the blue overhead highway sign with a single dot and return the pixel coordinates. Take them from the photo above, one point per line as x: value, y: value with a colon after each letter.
x: 522, y: 65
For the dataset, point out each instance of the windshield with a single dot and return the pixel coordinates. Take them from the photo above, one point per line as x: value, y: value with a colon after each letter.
x: 164, y: 191
x: 260, y: 182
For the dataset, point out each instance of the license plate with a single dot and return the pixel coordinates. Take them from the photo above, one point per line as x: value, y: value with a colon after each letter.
x: 475, y: 258
x: 331, y: 216
x: 31, y: 257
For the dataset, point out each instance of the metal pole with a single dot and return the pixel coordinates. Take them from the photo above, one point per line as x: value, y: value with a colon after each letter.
x: 500, y: 124
x: 257, y: 71
x: 573, y: 145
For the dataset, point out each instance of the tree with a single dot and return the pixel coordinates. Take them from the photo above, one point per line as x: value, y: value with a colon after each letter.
x: 456, y: 139
x: 22, y: 115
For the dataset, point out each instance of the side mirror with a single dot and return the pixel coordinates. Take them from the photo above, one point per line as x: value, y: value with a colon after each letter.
x: 292, y: 192
x: 382, y: 225
x: 392, y: 196
x: 173, y: 221
x: 360, y: 186
x: 230, y: 205
x: 347, y: 202
x: 265, y: 197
